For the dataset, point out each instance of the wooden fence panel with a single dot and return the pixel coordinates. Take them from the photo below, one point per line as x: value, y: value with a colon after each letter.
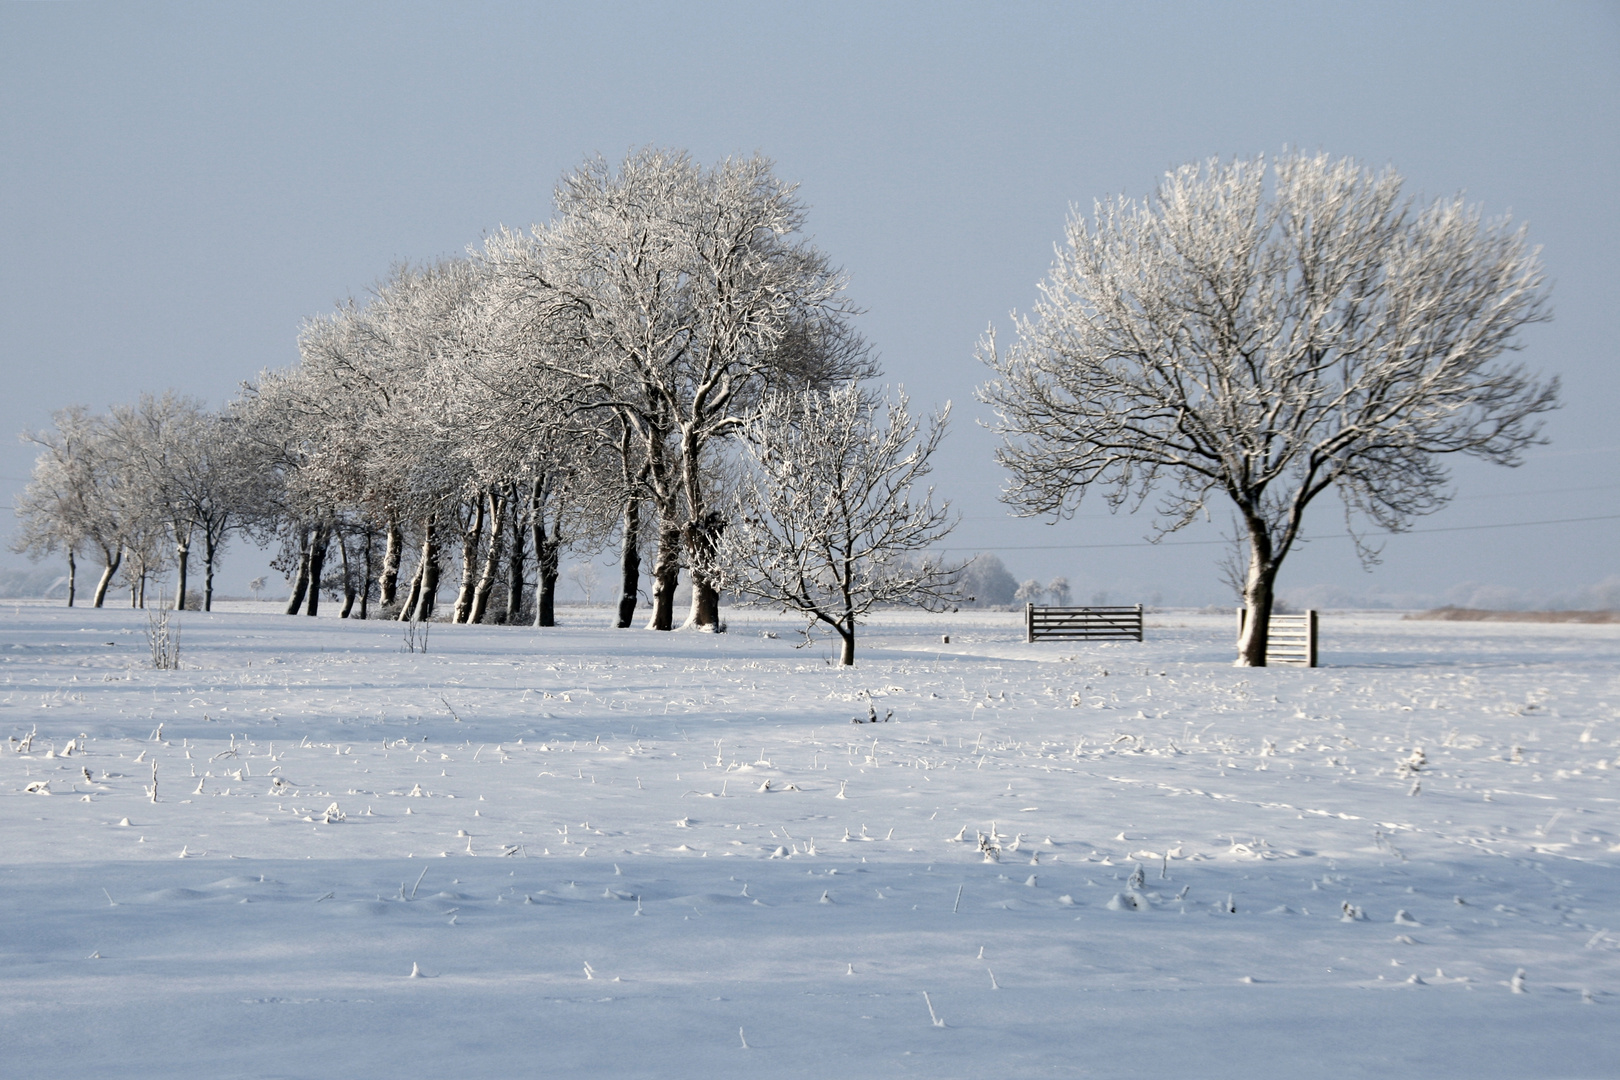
x: 1291, y: 639
x: 1083, y: 623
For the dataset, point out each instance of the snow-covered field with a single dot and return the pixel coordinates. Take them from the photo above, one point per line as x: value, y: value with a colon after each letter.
x: 620, y: 853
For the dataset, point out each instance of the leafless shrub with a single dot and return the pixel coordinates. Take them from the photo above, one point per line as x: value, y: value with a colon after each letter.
x: 163, y: 635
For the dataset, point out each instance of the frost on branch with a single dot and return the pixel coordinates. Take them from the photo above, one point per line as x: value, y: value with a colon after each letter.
x: 1263, y: 331
x: 827, y: 519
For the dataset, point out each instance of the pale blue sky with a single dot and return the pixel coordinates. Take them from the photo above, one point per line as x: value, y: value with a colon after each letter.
x: 180, y: 185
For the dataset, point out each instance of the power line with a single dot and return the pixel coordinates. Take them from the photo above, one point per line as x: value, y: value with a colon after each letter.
x: 1543, y: 491
x: 1459, y: 498
x: 1330, y: 536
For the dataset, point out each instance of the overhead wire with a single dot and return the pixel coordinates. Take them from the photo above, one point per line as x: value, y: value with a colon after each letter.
x: 1329, y: 536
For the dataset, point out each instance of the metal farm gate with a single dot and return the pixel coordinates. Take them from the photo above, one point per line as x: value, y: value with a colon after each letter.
x: 1083, y: 623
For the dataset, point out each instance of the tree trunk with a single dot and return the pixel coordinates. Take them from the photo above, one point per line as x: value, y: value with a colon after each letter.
x: 210, y: 549
x: 430, y: 573
x: 407, y: 610
x: 545, y: 601
x: 701, y: 530
x: 365, y: 582
x: 107, y: 576
x: 705, y: 611
x: 317, y: 567
x: 635, y: 483
x: 666, y: 576
x: 301, y: 578
x: 1258, y: 593
x: 182, y: 558
x: 515, y: 563
x: 471, y: 537
x: 390, y: 568
x: 492, y: 557
x: 546, y: 567
x: 143, y: 588
x: 348, y: 577
x: 700, y: 538
x: 846, y: 654
x: 73, y: 576
x: 629, y: 562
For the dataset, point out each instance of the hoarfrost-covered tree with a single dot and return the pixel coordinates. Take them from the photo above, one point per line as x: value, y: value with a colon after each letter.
x: 190, y: 474
x: 1030, y: 592
x: 685, y: 294
x: 58, y: 511
x: 1062, y: 595
x: 827, y: 519
x: 537, y: 446
x: 1267, y: 342
x: 986, y: 581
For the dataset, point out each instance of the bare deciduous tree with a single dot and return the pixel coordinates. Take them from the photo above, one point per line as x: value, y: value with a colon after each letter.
x: 1269, y: 342
x: 827, y: 520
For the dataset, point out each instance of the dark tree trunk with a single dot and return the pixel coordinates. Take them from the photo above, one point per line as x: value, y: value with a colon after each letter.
x: 73, y: 576
x: 629, y: 562
x: 515, y: 562
x: 390, y: 568
x: 317, y: 568
x: 545, y: 561
x: 492, y: 557
x: 545, y: 604
x: 365, y: 582
x: 301, y: 578
x: 700, y: 532
x: 635, y: 483
x: 210, y: 550
x: 182, y: 558
x: 110, y: 568
x: 846, y: 653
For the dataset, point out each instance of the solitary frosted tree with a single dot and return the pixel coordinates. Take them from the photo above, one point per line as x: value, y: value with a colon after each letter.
x: 1030, y: 592
x: 1267, y: 331
x: 1062, y: 595
x: 828, y: 519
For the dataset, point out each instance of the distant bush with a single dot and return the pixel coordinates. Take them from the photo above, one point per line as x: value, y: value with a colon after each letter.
x: 986, y: 583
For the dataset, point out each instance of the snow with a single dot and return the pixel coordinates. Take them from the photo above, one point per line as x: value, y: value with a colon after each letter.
x: 585, y: 851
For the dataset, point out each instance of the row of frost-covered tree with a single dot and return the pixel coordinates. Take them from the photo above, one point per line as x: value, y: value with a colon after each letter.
x: 583, y: 384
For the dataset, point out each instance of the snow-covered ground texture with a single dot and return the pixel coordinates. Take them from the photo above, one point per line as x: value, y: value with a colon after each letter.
x: 590, y: 852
